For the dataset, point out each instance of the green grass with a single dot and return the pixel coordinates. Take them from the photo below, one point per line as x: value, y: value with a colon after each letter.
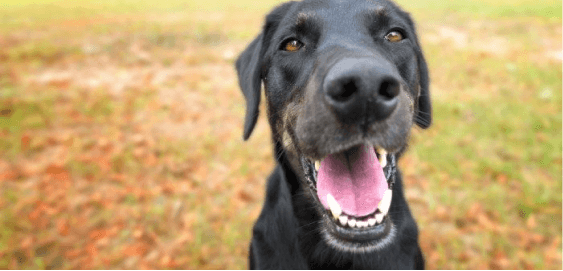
x: 492, y: 9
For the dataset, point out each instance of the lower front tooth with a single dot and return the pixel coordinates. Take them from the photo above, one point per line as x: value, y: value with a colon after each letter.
x: 371, y: 221
x: 351, y: 222
x: 362, y: 224
x: 343, y: 220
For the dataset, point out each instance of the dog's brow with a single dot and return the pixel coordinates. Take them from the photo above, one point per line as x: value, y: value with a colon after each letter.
x: 302, y: 18
x: 379, y: 14
x: 379, y: 11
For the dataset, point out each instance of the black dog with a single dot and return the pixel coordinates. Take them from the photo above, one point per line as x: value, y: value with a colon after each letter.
x: 345, y: 81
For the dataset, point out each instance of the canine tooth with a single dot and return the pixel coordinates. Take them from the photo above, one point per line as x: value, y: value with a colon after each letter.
x: 317, y: 165
x: 333, y: 205
x: 371, y: 221
x: 343, y: 220
x: 385, y: 202
x: 351, y: 222
x: 382, y: 157
x: 379, y: 218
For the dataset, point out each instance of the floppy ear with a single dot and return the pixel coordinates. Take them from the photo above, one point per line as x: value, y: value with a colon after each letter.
x: 249, y: 67
x: 423, y: 117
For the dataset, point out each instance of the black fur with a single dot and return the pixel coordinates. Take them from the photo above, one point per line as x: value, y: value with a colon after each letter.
x: 289, y: 232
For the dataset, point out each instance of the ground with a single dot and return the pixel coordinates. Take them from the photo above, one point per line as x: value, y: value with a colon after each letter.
x: 121, y: 135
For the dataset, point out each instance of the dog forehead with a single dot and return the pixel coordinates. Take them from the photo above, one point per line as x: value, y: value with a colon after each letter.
x: 316, y: 4
x: 343, y: 8
x: 346, y: 16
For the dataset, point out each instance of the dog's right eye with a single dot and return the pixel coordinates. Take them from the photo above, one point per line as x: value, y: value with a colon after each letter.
x: 291, y: 45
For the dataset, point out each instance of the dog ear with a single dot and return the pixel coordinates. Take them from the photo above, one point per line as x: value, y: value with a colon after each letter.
x: 423, y: 116
x: 249, y: 67
x: 248, y: 70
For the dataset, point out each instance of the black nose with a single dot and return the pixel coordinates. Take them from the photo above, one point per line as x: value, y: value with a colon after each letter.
x: 360, y: 90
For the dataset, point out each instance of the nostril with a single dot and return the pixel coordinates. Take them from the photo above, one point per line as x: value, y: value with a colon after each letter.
x: 348, y: 90
x: 389, y: 89
x: 344, y: 90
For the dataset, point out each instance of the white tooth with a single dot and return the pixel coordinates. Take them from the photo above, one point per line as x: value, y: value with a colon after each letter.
x: 385, y: 202
x: 333, y: 205
x: 382, y: 157
x: 362, y: 224
x: 379, y: 218
x: 343, y: 220
x: 351, y: 222
x: 371, y: 221
x: 317, y: 165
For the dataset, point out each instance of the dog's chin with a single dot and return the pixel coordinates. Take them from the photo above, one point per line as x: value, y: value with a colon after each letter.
x: 357, y: 240
x: 366, y: 232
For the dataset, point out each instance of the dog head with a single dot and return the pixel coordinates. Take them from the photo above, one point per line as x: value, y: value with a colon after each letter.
x: 344, y: 81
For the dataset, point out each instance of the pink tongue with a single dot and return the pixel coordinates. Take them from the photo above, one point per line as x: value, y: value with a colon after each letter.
x: 357, y: 188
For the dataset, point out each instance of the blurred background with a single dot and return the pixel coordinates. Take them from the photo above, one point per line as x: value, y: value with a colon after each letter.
x: 121, y: 135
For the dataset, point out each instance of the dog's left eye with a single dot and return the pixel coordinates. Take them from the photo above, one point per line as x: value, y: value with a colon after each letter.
x: 394, y: 36
x: 292, y: 45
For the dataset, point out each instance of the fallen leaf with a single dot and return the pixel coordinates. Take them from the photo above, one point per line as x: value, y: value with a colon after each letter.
x: 25, y: 141
x: 63, y: 226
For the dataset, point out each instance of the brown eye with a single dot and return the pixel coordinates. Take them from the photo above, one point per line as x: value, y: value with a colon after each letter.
x: 394, y: 36
x: 292, y: 45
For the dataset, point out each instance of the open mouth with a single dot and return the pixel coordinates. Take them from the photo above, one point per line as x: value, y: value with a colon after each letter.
x: 354, y: 187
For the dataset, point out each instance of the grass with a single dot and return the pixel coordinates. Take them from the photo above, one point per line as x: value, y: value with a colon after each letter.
x: 121, y: 127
